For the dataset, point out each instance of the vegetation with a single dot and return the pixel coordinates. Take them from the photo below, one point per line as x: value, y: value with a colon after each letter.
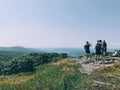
x: 8, y: 55
x: 60, y: 75
x: 53, y: 71
x: 27, y: 63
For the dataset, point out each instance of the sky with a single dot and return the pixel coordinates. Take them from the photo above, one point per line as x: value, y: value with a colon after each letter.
x: 59, y: 23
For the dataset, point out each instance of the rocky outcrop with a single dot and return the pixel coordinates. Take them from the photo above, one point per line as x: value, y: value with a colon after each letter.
x: 90, y: 64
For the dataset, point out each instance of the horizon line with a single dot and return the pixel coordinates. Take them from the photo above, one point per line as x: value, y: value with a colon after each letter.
x: 54, y: 47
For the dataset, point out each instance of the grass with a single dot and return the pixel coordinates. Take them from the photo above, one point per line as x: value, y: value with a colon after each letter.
x: 62, y: 75
x: 15, y: 79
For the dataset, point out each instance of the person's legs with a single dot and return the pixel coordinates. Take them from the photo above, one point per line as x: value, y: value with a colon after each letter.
x: 105, y: 52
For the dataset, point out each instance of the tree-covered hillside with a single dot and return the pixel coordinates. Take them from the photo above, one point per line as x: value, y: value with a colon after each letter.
x: 7, y: 55
x: 27, y: 63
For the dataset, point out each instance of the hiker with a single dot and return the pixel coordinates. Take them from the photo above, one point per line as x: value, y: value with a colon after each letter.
x: 87, y: 48
x: 101, y: 44
x: 115, y: 54
x: 104, y: 48
x: 98, y: 49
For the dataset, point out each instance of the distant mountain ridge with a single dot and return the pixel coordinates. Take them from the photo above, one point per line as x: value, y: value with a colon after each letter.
x: 7, y: 53
x: 16, y: 48
x: 69, y: 51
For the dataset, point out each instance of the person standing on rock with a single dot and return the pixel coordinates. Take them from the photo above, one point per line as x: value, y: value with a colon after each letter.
x: 87, y: 48
x: 104, y: 48
x: 98, y: 50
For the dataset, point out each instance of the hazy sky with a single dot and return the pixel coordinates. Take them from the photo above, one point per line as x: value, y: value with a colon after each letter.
x: 59, y: 23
